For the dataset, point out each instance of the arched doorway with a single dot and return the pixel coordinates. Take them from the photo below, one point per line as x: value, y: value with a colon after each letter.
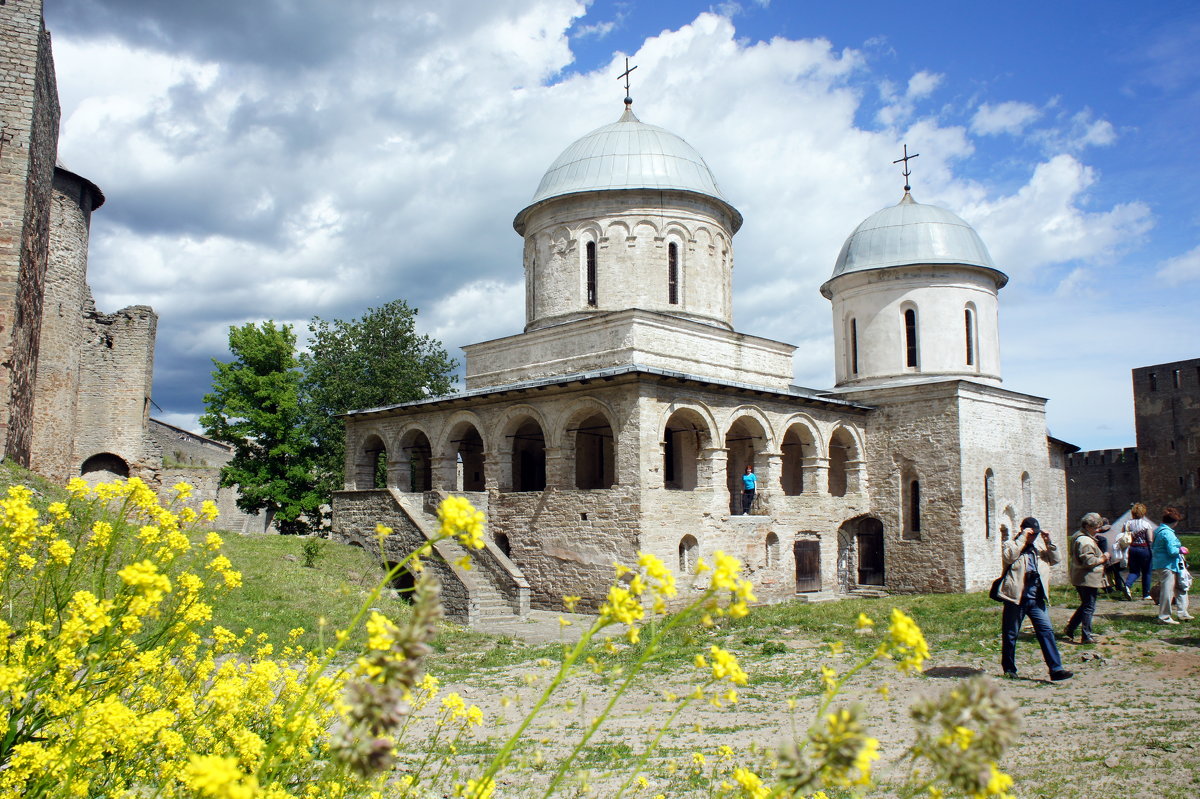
x: 807, y: 553
x: 528, y: 457
x: 419, y: 455
x: 798, y: 444
x: 466, y: 448
x: 743, y: 441
x: 684, y: 437
x: 860, y: 553
x: 870, y: 551
x: 103, y: 467
x: 370, y: 464
x: 843, y: 452
x: 595, y: 453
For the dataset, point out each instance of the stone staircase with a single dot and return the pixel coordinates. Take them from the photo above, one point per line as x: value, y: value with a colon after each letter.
x: 495, y: 589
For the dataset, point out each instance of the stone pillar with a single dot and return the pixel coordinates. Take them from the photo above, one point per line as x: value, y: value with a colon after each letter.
x: 445, y: 473
x: 816, y: 475
x: 493, y: 470
x: 856, y: 476
x: 710, y: 469
x: 558, y: 471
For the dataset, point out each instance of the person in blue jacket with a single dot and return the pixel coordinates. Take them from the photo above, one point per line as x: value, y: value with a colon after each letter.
x: 749, y: 484
x: 1165, y: 563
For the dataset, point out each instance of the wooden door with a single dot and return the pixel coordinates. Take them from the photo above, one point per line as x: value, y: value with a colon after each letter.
x: 870, y: 553
x: 808, y: 565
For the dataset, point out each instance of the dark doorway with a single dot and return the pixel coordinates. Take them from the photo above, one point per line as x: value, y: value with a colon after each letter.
x: 870, y: 552
x: 402, y: 581
x: 808, y: 565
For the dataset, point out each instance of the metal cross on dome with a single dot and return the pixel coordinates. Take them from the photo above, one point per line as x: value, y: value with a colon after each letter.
x: 625, y: 75
x: 906, y: 173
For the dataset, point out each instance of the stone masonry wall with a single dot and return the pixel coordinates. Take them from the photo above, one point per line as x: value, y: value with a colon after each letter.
x: 1106, y: 481
x: 66, y: 295
x: 1166, y: 407
x: 1005, y: 432
x: 356, y: 513
x: 913, y: 433
x: 197, y: 461
x: 29, y: 115
x: 704, y: 512
x: 117, y: 367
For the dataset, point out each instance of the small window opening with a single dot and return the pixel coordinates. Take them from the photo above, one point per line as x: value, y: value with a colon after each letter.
x: 673, y: 274
x: 854, y: 346
x: 583, y: 517
x: 1176, y: 377
x: 970, y: 338
x: 1153, y: 382
x: 591, y: 274
x: 910, y: 337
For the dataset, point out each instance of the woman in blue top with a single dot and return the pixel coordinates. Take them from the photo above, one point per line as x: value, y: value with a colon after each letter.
x: 1165, y: 562
x: 749, y: 483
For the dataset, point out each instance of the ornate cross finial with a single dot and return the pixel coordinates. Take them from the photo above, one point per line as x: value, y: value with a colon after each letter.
x: 625, y: 75
x: 906, y: 159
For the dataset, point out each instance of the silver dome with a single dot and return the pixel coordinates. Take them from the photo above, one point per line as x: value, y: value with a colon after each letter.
x: 628, y: 154
x: 911, y: 233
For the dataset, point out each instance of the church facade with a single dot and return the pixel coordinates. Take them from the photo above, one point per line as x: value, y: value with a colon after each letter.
x: 624, y: 415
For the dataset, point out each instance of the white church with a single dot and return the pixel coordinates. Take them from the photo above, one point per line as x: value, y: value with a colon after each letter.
x: 622, y: 418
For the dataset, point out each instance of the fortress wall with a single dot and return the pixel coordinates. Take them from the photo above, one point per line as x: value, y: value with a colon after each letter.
x: 29, y: 113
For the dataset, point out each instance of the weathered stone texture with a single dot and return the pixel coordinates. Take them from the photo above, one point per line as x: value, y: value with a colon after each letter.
x: 1166, y: 407
x: 66, y: 295
x: 947, y: 435
x: 29, y: 114
x: 1105, y: 481
x: 116, y: 369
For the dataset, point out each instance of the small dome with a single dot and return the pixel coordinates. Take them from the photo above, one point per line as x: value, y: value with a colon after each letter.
x: 628, y: 154
x: 910, y: 233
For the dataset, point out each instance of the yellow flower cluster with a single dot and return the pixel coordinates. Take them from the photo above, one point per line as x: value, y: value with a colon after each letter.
x: 108, y: 683
x: 727, y: 579
x: 905, y: 643
x: 459, y: 519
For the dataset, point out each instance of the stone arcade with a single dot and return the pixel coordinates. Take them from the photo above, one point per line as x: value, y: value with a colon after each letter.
x: 622, y: 417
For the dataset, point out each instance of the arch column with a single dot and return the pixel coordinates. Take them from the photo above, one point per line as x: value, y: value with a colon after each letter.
x: 492, y: 471
x: 856, y: 476
x: 816, y: 475
x: 444, y: 475
x: 710, y: 471
x: 770, y: 479
x: 559, y: 467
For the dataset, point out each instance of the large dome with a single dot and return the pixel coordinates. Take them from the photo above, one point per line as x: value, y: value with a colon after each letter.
x: 628, y: 154
x: 910, y: 233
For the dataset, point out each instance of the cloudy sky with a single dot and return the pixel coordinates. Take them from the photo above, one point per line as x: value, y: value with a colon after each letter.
x: 280, y: 159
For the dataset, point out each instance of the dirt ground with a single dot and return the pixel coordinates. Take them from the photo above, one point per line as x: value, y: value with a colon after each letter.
x: 1125, y: 726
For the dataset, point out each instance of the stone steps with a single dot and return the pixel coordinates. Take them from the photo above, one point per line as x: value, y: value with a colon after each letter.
x: 817, y: 596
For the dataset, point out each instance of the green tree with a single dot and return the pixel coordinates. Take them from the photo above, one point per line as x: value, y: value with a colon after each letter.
x: 255, y: 406
x: 366, y: 363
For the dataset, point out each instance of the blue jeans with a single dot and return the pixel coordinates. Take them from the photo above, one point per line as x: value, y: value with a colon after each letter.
x: 1083, y: 614
x: 1014, y: 614
x: 1139, y: 566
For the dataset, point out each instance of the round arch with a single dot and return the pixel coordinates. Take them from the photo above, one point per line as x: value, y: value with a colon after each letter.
x: 590, y: 437
x: 688, y: 430
x: 104, y: 467
x: 845, y: 462
x: 415, y: 450
x: 462, y: 450
x: 800, y: 447
x: 522, y: 450
x: 748, y: 440
x: 369, y: 466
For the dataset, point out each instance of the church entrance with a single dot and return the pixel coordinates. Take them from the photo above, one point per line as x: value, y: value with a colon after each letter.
x: 808, y: 566
x: 870, y: 552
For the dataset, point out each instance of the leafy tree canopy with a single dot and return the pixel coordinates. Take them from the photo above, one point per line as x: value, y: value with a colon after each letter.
x: 255, y: 406
x: 366, y: 363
